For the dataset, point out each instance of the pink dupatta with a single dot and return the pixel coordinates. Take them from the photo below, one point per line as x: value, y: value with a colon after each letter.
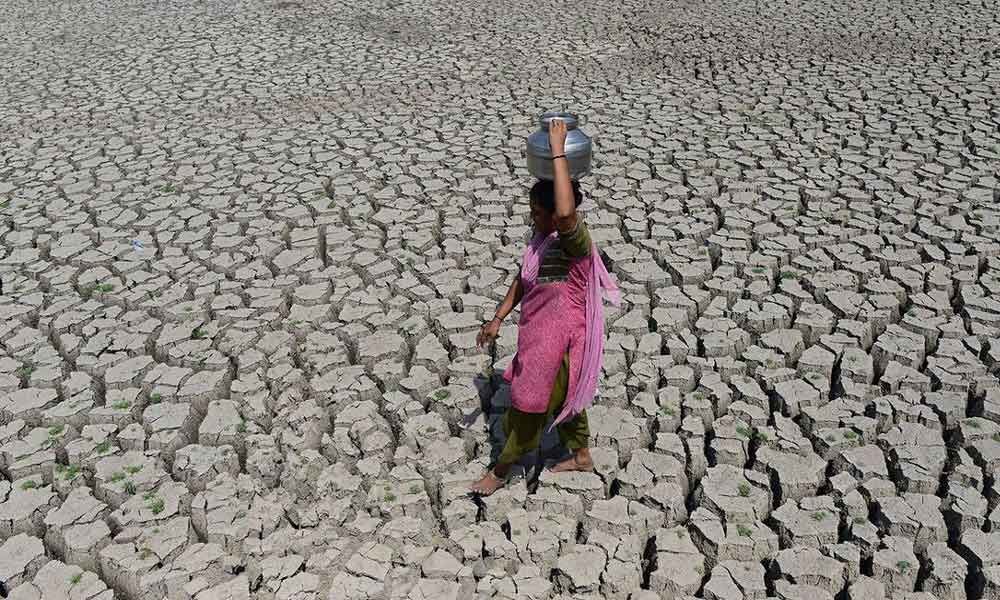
x: 598, y: 281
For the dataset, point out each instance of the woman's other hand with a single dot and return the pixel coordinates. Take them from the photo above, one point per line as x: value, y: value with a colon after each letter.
x: 488, y: 332
x: 557, y: 136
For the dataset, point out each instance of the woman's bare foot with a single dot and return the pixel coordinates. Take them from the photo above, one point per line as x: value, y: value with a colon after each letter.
x: 580, y: 461
x: 490, y: 482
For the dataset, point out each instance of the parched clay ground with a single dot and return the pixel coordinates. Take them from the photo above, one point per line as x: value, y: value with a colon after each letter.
x: 246, y: 247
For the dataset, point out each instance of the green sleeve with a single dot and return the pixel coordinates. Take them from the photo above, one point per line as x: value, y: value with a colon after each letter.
x: 576, y: 242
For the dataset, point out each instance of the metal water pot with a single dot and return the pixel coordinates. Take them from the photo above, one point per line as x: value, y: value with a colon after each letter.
x: 579, y: 148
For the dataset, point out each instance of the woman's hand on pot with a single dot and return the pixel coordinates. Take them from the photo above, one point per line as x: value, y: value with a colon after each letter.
x: 488, y: 332
x: 557, y: 136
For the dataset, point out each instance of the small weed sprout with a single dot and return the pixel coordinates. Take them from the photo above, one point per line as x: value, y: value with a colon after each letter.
x: 156, y: 505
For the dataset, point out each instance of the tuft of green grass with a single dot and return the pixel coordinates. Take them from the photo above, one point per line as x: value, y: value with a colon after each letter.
x: 145, y: 553
x: 130, y: 488
x: 167, y: 188
x: 242, y: 427
x: 390, y: 497
x: 155, y: 505
x: 104, y: 288
x: 760, y: 436
x: 996, y: 437
x: 850, y: 434
x: 414, y: 489
x: 29, y: 484
x: 121, y: 405
x: 441, y: 395
x: 974, y: 424
x: 668, y: 410
x: 197, y: 333
x: 70, y: 473
x: 56, y: 430
x: 25, y: 371
x: 744, y: 531
x: 155, y: 398
x: 76, y: 578
x: 860, y: 520
x: 788, y: 275
x: 903, y: 566
x: 133, y: 469
x: 119, y: 476
x: 744, y: 490
x: 103, y: 447
x: 819, y: 515
x: 743, y: 431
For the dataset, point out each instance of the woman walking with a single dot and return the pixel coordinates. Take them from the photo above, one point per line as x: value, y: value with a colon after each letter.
x: 560, y: 336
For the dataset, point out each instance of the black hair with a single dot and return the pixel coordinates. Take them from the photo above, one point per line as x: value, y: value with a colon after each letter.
x: 543, y: 193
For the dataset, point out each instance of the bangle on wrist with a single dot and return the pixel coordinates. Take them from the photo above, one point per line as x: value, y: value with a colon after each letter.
x: 497, y: 318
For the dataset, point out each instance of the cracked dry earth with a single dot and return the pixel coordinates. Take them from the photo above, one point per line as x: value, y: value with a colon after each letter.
x: 247, y: 245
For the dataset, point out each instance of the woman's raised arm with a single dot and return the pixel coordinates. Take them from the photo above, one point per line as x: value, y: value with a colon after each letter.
x: 565, y: 213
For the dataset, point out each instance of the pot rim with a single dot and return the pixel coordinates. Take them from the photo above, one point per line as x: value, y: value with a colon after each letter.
x: 572, y: 119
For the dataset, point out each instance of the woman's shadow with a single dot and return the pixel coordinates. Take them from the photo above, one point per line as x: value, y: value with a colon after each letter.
x: 495, y: 396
